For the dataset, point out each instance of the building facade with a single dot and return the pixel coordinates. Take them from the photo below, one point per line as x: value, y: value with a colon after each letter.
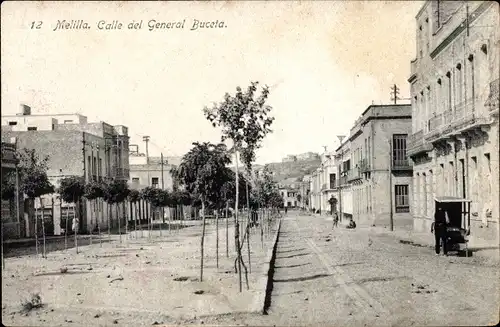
x: 376, y: 174
x: 455, y: 89
x: 74, y: 147
x: 11, y: 208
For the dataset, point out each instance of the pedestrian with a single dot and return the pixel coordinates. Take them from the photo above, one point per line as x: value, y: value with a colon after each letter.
x: 286, y: 210
x: 438, y: 227
x: 335, y: 219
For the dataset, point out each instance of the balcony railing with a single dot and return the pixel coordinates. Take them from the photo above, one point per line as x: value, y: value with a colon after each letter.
x: 8, y: 155
x: 435, y: 121
x: 401, y: 164
x: 463, y: 116
x: 323, y: 187
x: 416, y: 143
x: 343, y: 180
x: 364, y: 166
x: 354, y: 173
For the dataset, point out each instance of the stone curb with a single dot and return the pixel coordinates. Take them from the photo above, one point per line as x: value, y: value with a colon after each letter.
x: 265, y: 282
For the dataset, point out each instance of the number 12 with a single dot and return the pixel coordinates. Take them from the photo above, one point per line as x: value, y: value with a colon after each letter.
x: 38, y: 25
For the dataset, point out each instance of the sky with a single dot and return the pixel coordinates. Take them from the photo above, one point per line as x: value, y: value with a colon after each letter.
x: 324, y: 62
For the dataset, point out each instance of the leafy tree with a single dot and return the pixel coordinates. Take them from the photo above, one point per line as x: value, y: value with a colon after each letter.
x: 200, y: 172
x: 115, y: 192
x: 244, y: 118
x: 94, y: 190
x: 133, y: 198
x: 71, y: 190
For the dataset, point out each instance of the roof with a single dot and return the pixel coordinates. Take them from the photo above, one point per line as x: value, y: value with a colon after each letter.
x: 450, y: 199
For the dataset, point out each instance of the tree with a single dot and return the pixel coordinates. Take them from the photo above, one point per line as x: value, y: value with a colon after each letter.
x: 71, y: 190
x: 133, y: 198
x: 200, y: 172
x: 148, y: 194
x: 244, y: 119
x: 33, y: 182
x: 94, y: 190
x: 115, y: 192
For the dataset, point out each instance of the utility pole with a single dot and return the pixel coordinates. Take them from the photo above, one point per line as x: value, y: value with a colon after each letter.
x: 395, y: 94
x: 146, y: 140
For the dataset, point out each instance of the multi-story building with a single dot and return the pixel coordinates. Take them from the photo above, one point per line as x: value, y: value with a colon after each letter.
x: 342, y: 188
x: 151, y: 171
x: 455, y: 90
x: 376, y: 174
x: 289, y: 196
x: 369, y: 174
x: 322, y: 183
x: 74, y: 147
x: 11, y: 208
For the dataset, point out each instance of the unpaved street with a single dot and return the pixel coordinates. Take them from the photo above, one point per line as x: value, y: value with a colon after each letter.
x: 357, y: 278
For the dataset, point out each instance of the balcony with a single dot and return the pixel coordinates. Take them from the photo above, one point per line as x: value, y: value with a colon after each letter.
x: 462, y: 118
x: 364, y: 166
x: 401, y: 164
x: 323, y: 187
x: 417, y: 144
x: 354, y: 174
x: 343, y: 180
x: 9, y: 159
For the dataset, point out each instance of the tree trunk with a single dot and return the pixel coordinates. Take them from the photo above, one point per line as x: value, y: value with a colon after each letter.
x: 202, y: 239
x: 261, y: 220
x: 66, y: 230
x: 227, y: 230
x: 77, y: 225
x: 135, y: 218
x: 249, y: 221
x: 126, y: 212
x: 217, y: 237
x: 36, y: 229
x: 92, y: 208
x: 44, y: 253
x: 109, y: 211
x: 119, y: 225
x: 99, y: 218
x: 237, y: 227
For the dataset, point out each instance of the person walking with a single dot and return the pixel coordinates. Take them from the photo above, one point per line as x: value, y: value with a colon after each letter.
x: 441, y: 220
x: 335, y: 219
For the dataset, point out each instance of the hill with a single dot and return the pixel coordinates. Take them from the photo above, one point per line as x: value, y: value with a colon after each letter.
x: 289, y: 172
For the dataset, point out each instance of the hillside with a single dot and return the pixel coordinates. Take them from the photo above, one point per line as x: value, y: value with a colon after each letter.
x: 288, y: 172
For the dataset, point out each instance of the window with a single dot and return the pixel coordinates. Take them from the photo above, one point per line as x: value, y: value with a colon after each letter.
x: 154, y: 182
x: 471, y: 90
x: 458, y: 85
x: 12, y: 123
x: 68, y: 121
x: 402, y: 202
x: 32, y: 128
x: 399, y: 158
x: 135, y: 180
x: 332, y: 180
